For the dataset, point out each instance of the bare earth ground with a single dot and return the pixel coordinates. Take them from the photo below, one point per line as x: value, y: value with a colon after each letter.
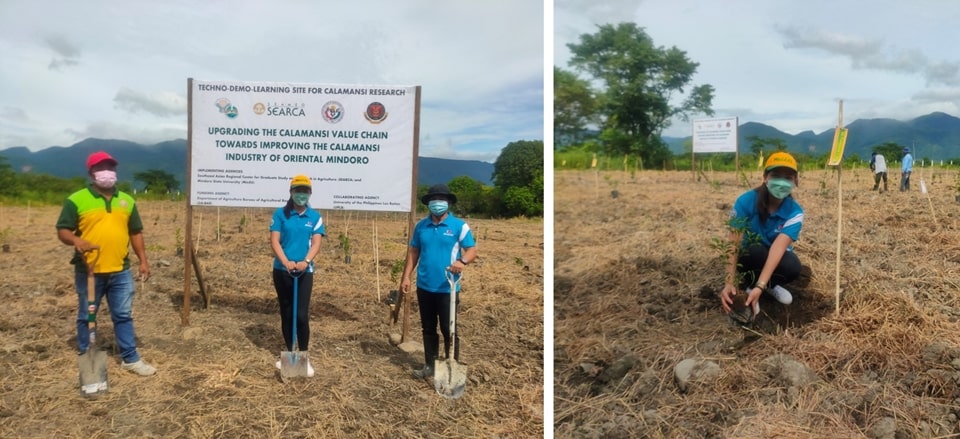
x: 636, y: 285
x: 216, y: 376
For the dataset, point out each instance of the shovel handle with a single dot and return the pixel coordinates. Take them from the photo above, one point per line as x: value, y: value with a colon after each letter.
x: 453, y: 278
x: 91, y: 284
x: 92, y: 294
x: 91, y: 264
x: 293, y: 318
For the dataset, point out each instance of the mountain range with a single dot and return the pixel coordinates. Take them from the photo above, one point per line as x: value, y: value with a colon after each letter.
x: 935, y: 136
x: 170, y: 157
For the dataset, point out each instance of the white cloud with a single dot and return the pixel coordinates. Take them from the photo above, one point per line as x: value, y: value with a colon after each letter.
x: 787, y: 64
x: 161, y: 103
x: 122, y: 70
x: 65, y: 53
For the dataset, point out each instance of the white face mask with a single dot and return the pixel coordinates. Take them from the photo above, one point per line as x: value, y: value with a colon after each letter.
x: 105, y: 179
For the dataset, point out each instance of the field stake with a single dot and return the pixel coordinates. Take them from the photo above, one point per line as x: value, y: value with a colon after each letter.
x: 839, y: 210
x: 376, y: 256
x: 199, y: 228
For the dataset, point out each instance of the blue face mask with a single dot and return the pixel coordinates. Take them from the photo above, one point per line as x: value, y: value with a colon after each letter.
x: 300, y: 199
x: 779, y: 187
x: 438, y: 207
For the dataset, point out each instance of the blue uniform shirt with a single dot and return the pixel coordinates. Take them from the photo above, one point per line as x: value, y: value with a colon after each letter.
x: 296, y: 233
x: 788, y: 219
x: 907, y: 165
x: 439, y: 246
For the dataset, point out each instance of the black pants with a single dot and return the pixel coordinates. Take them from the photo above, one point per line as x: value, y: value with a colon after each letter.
x: 905, y: 181
x: 435, y: 308
x: 751, y: 261
x: 876, y: 180
x: 283, y: 283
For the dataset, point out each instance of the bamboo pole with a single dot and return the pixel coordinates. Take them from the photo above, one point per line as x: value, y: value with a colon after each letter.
x: 376, y: 256
x: 839, y: 211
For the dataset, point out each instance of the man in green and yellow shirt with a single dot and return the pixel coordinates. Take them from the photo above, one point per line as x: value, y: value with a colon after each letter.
x: 101, y: 219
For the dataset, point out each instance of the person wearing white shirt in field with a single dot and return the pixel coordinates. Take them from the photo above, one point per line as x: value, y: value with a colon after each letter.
x: 879, y: 165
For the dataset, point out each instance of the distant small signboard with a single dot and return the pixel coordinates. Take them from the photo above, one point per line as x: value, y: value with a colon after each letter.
x: 715, y: 135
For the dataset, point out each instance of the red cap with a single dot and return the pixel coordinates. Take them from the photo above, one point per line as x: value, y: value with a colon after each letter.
x: 98, y: 157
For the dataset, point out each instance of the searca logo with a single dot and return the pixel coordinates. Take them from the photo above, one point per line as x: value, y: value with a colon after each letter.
x: 280, y: 109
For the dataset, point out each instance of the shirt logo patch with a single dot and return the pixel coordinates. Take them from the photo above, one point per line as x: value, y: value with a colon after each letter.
x: 309, y: 224
x: 448, y: 232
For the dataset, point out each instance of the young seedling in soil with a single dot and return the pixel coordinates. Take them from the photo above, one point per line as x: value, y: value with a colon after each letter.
x: 178, y: 236
x: 345, y: 245
x: 4, y: 237
x: 740, y: 313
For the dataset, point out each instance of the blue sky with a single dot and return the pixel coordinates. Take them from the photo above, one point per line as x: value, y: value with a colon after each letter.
x: 788, y: 63
x: 119, y: 70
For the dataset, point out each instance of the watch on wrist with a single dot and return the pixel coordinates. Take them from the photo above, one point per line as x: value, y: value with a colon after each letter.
x: 462, y: 261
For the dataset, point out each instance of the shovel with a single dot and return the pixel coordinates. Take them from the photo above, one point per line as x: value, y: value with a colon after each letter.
x: 450, y: 377
x: 293, y: 364
x: 395, y: 300
x: 93, y: 362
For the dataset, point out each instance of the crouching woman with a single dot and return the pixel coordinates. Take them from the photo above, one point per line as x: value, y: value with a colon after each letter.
x: 765, y: 223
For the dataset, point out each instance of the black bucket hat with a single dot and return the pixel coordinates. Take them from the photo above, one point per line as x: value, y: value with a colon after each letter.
x: 439, y: 189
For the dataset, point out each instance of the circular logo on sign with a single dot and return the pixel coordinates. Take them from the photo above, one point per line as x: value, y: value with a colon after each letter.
x: 332, y: 112
x: 259, y: 108
x: 225, y: 107
x: 376, y: 112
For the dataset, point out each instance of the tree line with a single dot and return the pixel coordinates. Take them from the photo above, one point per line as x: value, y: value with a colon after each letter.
x: 517, y: 185
x: 581, y: 157
x: 620, y: 91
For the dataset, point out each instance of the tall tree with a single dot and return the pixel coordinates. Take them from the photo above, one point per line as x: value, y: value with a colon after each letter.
x: 641, y: 84
x: 8, y: 178
x: 757, y: 143
x: 574, y: 106
x: 469, y: 194
x: 891, y: 151
x: 518, y: 177
x: 157, y: 180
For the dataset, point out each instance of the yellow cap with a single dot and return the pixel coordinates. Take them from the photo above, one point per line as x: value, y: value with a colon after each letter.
x: 300, y: 181
x: 780, y: 159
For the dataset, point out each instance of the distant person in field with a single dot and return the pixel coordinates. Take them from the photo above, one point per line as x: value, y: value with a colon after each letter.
x: 102, y: 219
x: 439, y: 242
x: 296, y: 231
x: 905, y: 169
x: 765, y: 223
x: 879, y: 166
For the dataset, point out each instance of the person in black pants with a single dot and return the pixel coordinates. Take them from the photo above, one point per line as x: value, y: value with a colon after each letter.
x: 439, y: 242
x: 296, y: 231
x: 764, y: 224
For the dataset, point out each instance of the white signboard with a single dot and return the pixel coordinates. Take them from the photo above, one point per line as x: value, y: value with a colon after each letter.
x: 715, y: 135
x: 354, y: 142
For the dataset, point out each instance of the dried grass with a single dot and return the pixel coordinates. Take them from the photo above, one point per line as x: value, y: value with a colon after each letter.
x: 217, y: 378
x: 636, y: 278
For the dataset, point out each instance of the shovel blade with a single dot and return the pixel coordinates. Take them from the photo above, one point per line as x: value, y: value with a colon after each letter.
x: 293, y: 364
x: 93, y: 372
x: 450, y: 378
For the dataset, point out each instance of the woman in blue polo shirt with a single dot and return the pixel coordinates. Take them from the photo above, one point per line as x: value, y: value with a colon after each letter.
x: 764, y: 225
x: 295, y: 234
